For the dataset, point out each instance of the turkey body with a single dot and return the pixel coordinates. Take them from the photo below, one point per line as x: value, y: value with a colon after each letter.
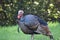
x: 31, y: 24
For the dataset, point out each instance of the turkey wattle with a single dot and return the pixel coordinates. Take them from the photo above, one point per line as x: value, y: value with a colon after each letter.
x: 31, y: 24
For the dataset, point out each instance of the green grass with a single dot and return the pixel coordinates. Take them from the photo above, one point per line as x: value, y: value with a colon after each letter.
x: 10, y: 33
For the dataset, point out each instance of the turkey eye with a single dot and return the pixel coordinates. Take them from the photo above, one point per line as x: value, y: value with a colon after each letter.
x: 20, y: 12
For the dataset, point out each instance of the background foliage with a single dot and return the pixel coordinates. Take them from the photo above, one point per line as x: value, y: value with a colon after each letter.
x: 48, y: 10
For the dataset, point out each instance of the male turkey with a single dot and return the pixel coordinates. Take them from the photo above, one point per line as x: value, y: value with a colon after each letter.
x: 31, y: 24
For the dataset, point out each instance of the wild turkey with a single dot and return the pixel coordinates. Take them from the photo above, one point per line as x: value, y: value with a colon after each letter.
x: 31, y: 24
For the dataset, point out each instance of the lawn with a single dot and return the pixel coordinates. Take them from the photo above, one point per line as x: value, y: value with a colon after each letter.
x: 10, y: 33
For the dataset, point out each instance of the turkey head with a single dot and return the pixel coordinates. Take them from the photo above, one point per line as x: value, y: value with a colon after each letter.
x: 20, y: 14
